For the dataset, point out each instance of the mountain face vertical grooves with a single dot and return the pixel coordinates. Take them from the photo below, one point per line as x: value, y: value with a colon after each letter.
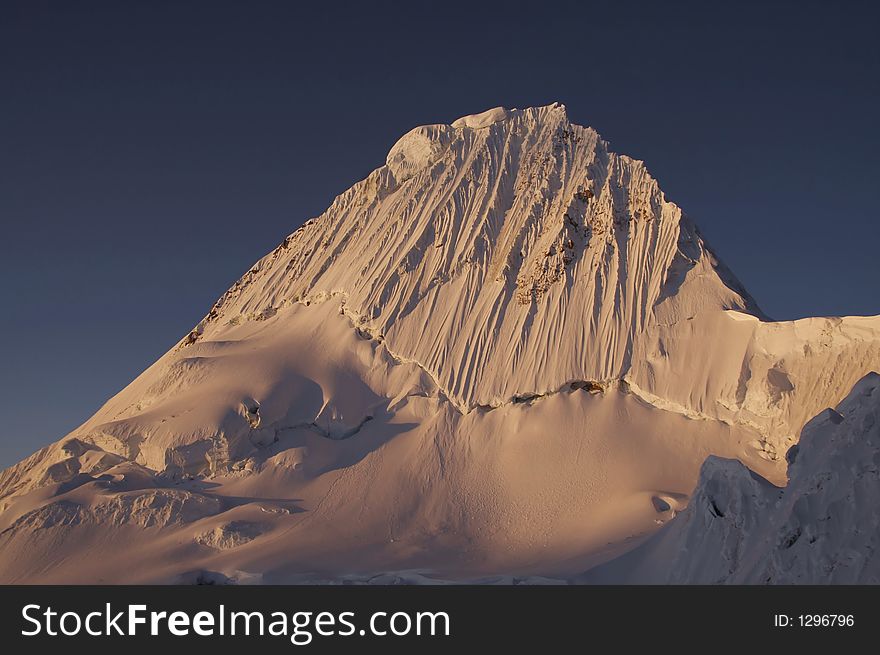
x: 515, y: 244
x: 475, y: 220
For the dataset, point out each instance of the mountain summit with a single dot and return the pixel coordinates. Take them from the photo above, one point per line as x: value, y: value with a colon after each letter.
x: 503, y: 352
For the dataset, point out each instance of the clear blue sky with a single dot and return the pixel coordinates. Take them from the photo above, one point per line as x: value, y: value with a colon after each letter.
x: 150, y: 152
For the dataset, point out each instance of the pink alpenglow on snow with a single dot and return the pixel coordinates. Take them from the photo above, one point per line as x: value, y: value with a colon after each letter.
x: 502, y: 354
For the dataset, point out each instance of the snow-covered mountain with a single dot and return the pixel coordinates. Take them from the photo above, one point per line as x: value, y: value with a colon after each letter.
x: 504, y: 352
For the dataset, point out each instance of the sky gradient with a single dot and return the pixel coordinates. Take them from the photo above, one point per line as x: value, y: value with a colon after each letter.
x: 151, y: 152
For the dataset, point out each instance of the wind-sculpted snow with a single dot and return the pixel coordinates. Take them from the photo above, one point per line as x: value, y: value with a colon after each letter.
x: 504, y: 352
x: 505, y: 258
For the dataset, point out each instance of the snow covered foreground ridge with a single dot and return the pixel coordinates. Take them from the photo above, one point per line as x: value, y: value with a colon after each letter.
x: 823, y: 527
x: 504, y: 352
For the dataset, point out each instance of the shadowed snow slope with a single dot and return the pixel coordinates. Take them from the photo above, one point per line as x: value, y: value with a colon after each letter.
x: 502, y: 352
x: 823, y: 527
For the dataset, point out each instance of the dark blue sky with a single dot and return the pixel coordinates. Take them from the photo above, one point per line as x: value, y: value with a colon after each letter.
x: 150, y: 152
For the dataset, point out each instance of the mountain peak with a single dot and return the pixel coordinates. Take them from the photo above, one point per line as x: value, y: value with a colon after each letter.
x: 423, y: 145
x: 483, y: 119
x: 516, y: 222
x: 502, y: 335
x: 498, y: 114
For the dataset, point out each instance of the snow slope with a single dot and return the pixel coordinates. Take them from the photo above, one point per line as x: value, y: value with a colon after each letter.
x: 822, y: 527
x: 504, y: 351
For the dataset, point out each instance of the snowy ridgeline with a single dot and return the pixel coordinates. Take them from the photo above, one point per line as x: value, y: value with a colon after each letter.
x: 822, y: 527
